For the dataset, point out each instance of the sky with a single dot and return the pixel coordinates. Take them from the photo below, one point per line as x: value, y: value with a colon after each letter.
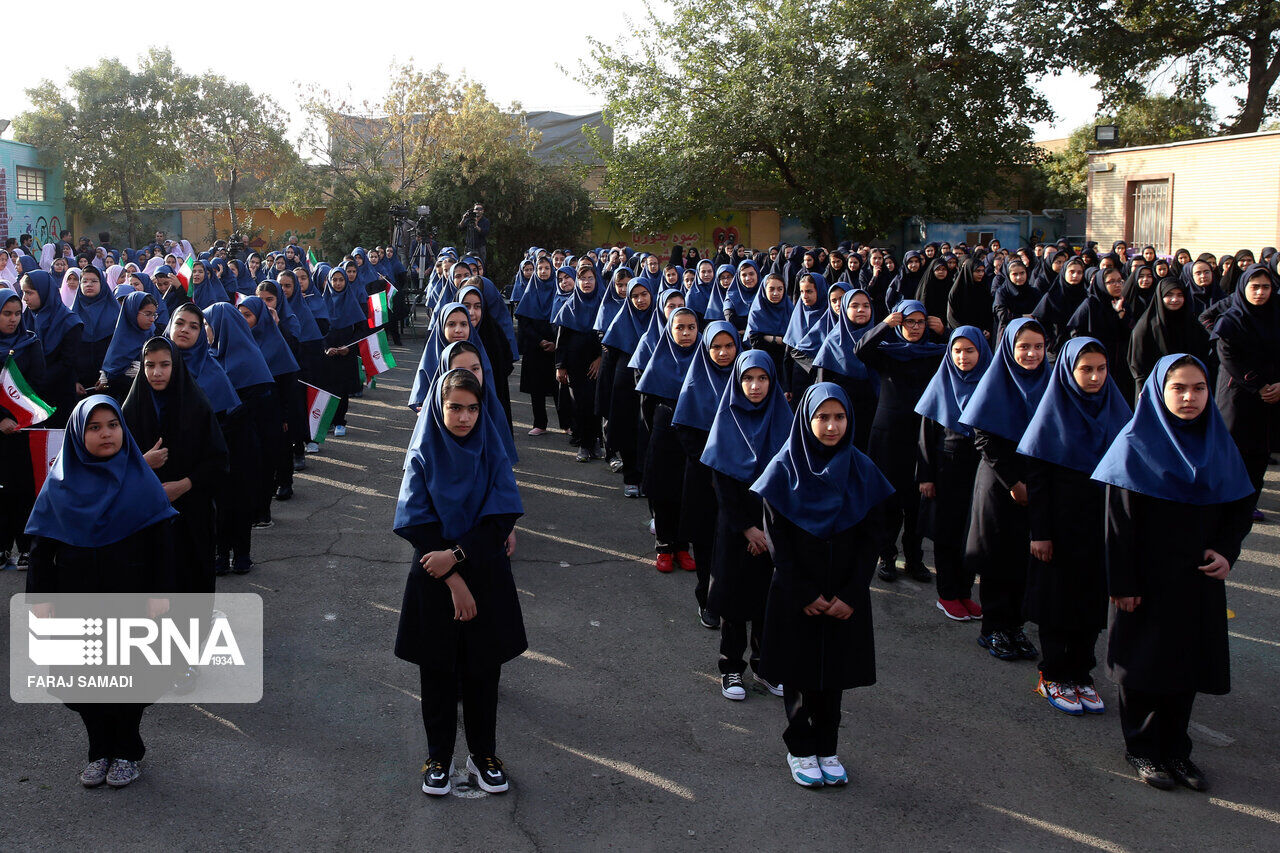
x: 503, y: 44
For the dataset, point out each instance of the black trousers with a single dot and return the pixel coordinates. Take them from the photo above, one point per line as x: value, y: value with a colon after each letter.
x: 479, y: 711
x: 903, y: 514
x: 114, y: 730
x: 955, y: 582
x: 1066, y: 654
x: 733, y: 646
x: 586, y: 423
x: 813, y: 721
x: 666, y: 526
x: 1155, y: 724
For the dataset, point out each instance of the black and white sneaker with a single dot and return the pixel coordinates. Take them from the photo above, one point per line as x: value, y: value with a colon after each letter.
x: 731, y: 686
x: 435, y: 778
x: 707, y: 619
x: 775, y: 689
x: 489, y: 775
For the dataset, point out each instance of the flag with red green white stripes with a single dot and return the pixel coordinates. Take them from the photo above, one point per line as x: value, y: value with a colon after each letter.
x: 17, y: 400
x: 184, y: 275
x: 45, y: 446
x: 321, y: 407
x: 379, y: 312
x: 375, y: 354
x: 312, y: 260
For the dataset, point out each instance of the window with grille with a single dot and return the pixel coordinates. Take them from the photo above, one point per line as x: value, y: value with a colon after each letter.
x: 1149, y: 214
x: 30, y: 184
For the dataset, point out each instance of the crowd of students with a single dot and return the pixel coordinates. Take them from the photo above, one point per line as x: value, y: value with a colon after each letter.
x: 183, y: 410
x: 795, y: 417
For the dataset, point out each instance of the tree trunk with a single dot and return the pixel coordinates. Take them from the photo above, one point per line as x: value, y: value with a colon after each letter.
x: 1263, y: 72
x: 231, y: 202
x: 129, y: 221
x: 824, y: 230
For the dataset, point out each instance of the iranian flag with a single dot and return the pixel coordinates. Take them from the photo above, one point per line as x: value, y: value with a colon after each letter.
x: 19, y: 402
x: 375, y: 354
x: 45, y: 446
x: 379, y: 312
x: 312, y: 260
x: 184, y: 274
x: 240, y: 297
x: 321, y: 407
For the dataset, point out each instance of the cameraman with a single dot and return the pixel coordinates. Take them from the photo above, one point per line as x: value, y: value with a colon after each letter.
x: 475, y: 231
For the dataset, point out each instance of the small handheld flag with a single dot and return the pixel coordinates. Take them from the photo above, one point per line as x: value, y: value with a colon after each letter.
x: 18, y: 401
x: 321, y: 407
x: 45, y: 446
x: 379, y: 313
x: 375, y: 354
x: 184, y: 275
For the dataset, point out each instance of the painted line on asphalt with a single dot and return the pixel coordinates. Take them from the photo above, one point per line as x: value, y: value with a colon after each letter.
x: 628, y: 769
x: 1061, y: 831
x: 223, y: 720
x: 541, y: 658
x: 646, y: 561
x: 1254, y: 639
x: 1245, y: 809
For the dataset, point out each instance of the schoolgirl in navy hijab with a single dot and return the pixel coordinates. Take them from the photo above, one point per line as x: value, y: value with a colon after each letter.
x: 460, y: 619
x: 60, y: 332
x: 1177, y: 510
x: 752, y: 422
x: 947, y: 465
x: 999, y: 535
x: 17, y: 487
x: 822, y: 499
x: 577, y: 359
x: 101, y: 524
x: 1081, y: 412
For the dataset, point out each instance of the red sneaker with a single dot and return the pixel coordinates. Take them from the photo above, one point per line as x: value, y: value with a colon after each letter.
x: 975, y: 611
x: 685, y: 560
x: 954, y: 609
x: 666, y: 563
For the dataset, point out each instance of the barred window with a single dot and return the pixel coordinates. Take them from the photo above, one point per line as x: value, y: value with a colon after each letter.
x: 30, y: 184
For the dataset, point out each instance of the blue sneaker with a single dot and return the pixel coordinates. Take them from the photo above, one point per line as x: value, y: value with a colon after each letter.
x: 1061, y: 696
x: 340, y: 430
x: 832, y: 770
x: 804, y: 770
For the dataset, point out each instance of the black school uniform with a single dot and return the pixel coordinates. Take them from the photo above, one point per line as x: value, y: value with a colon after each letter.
x: 739, y: 584
x: 63, y: 365
x: 1243, y: 370
x: 538, y: 370
x: 17, y: 485
x: 575, y: 350
x: 1174, y: 644
x: 698, y: 508
x: 1067, y: 597
x: 999, y: 542
x: 949, y: 460
x: 894, y: 434
x: 458, y: 656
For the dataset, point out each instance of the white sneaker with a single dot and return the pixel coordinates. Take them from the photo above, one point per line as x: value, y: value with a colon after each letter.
x: 653, y: 529
x: 731, y: 687
x: 775, y: 689
x: 832, y: 770
x: 311, y: 447
x: 805, y: 770
x: 1089, y: 699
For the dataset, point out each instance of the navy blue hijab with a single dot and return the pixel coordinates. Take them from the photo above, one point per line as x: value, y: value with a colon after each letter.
x: 1008, y: 394
x: 210, y: 289
x: 669, y: 362
x: 769, y: 318
x: 149, y: 286
x: 579, y: 311
x: 1159, y: 455
x: 656, y: 329
x: 87, y: 502
x: 812, y: 341
x: 492, y: 405
x: 741, y: 298
x: 610, y: 302
x: 562, y: 296
x: 207, y: 372
x: 904, y: 350
x: 705, y: 380
x: 822, y: 490
x: 307, y: 329
x: 234, y: 347
x: 745, y: 435
x: 433, y: 349
x: 451, y: 481
x: 268, y: 338
x: 52, y: 322
x: 698, y: 296
x: 629, y: 326
x: 127, y: 340
x: 1071, y: 428
x: 539, y: 293
x: 22, y: 337
x: 949, y: 390
x: 803, y: 318
x: 836, y: 352
x: 314, y: 296
x: 99, y: 313
x: 345, y: 306
x: 715, y: 302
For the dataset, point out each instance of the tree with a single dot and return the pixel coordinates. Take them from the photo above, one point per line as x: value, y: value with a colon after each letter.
x: 1190, y: 44
x: 438, y: 141
x: 1148, y: 121
x: 817, y: 102
x: 236, y: 135
x: 114, y: 131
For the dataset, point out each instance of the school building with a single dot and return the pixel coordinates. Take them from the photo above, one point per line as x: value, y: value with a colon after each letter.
x: 32, y: 197
x: 1207, y: 195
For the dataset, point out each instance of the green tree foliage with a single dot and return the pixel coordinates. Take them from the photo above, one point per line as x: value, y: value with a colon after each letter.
x: 112, y: 131
x: 1188, y: 44
x: 867, y: 109
x: 438, y: 141
x: 1148, y: 121
x: 236, y: 135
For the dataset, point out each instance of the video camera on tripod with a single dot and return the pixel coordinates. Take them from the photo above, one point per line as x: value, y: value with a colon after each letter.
x: 422, y: 226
